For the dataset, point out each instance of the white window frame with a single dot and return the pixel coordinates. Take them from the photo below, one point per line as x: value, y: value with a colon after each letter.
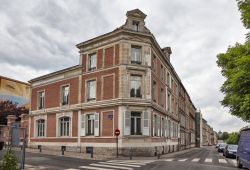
x: 92, y: 58
x: 39, y: 98
x: 133, y: 82
x: 135, y: 59
x: 88, y: 90
x: 63, y: 93
x: 40, y: 128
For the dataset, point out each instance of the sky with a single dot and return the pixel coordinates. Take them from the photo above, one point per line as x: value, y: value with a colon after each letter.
x: 39, y: 37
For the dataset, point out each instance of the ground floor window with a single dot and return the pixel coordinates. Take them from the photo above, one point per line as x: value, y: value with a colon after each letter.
x: 40, y: 127
x: 136, y: 123
x: 64, y: 126
x: 90, y: 124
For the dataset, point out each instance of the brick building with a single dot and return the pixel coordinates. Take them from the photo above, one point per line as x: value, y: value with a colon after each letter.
x: 124, y: 80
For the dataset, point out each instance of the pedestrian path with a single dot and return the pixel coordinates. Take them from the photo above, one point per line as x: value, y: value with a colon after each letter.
x: 199, y: 160
x: 115, y: 165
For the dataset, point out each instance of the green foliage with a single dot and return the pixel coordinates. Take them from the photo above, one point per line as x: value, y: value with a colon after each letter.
x: 244, y: 7
x: 233, y: 138
x: 235, y: 65
x: 224, y: 136
x: 9, y: 161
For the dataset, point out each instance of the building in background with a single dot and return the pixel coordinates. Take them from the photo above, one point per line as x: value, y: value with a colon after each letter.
x: 15, y: 91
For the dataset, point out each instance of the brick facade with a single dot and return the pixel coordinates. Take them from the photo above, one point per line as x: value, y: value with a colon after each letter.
x: 125, y: 96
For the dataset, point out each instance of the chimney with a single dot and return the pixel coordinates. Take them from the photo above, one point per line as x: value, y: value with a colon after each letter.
x: 167, y: 51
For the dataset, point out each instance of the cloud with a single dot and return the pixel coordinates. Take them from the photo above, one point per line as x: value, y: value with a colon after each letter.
x: 38, y: 37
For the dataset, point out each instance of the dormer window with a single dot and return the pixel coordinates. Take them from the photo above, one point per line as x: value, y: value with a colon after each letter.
x: 135, y: 25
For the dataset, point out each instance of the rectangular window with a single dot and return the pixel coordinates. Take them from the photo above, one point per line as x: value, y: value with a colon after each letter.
x: 135, y: 25
x: 65, y: 95
x: 40, y: 128
x: 41, y: 96
x: 168, y: 79
x: 136, y: 55
x: 91, y: 93
x: 162, y: 97
x: 154, y: 63
x: 90, y: 124
x: 162, y: 73
x: 92, y: 61
x: 169, y: 102
x: 162, y: 127
x: 136, y: 123
x: 135, y: 86
x: 64, y: 126
x: 154, y: 91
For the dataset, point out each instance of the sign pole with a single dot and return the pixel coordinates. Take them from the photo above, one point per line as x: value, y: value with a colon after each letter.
x: 117, y: 146
x: 117, y: 133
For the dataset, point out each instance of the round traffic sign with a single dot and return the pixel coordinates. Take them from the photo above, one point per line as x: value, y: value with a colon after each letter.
x: 117, y: 132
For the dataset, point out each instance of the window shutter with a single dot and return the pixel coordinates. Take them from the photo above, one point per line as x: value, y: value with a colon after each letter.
x: 165, y: 127
x: 146, y: 123
x: 83, y: 125
x: 96, y: 125
x: 153, y: 134
x: 171, y: 129
x: 158, y: 125
x: 127, y: 122
x: 179, y: 130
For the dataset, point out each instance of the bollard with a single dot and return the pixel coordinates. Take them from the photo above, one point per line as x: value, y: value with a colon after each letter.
x: 130, y: 154
x: 158, y: 156
x: 40, y: 148
x: 156, y: 151
x: 92, y: 154
x: 63, y: 148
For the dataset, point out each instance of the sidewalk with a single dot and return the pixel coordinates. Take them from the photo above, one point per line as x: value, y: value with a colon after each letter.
x: 105, y: 157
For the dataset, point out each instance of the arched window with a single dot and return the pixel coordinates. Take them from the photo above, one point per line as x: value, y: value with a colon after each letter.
x: 64, y: 126
x: 40, y: 127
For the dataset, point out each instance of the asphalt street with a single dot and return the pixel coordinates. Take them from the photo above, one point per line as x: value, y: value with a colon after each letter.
x: 206, y: 158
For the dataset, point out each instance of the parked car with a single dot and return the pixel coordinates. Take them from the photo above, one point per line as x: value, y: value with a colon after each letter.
x: 230, y: 151
x: 221, y: 147
x: 217, y: 145
x: 243, y: 151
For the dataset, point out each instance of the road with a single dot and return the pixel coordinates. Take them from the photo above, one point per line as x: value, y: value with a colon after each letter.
x: 206, y: 158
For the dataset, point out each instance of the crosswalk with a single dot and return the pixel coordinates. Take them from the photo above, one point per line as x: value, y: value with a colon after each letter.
x: 115, y: 165
x: 206, y: 160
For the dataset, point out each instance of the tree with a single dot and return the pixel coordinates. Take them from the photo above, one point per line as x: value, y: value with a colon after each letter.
x: 9, y: 161
x: 10, y: 108
x: 233, y: 138
x: 235, y: 65
x: 224, y: 136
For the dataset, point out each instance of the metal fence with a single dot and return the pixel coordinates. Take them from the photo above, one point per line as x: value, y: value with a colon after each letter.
x: 14, y: 138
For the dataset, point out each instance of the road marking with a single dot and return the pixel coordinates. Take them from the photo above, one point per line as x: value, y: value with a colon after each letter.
x: 195, y: 159
x: 182, y: 160
x: 132, y: 161
x: 222, y: 161
x: 94, y: 168
x: 208, y: 160
x: 169, y: 160
x: 112, y: 166
x: 114, y: 163
x: 72, y: 169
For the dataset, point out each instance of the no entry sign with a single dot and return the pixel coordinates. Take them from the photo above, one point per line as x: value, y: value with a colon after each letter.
x: 117, y: 132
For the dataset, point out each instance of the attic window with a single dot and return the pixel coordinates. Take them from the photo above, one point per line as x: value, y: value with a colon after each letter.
x: 135, y: 25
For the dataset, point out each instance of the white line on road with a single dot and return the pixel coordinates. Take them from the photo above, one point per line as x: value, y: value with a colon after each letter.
x: 94, y: 168
x: 72, y: 169
x: 112, y: 166
x: 208, y: 160
x: 169, y: 160
x: 182, y: 160
x: 132, y: 161
x: 110, y: 163
x: 222, y: 161
x: 195, y: 159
